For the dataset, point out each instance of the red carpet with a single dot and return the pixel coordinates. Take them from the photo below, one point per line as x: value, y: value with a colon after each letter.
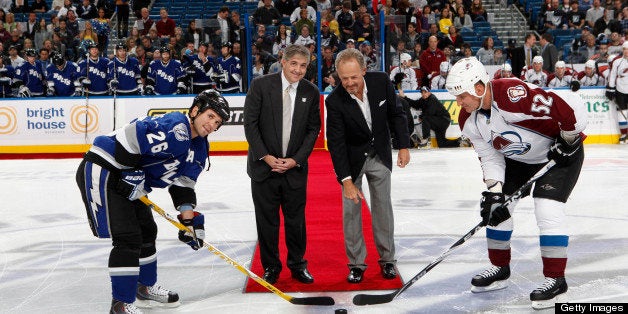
x: 327, y: 261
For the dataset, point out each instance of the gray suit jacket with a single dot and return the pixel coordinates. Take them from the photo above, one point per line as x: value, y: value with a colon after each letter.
x: 263, y: 111
x: 550, y: 56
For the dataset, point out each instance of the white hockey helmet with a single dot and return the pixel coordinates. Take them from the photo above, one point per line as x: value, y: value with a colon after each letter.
x: 560, y: 64
x: 463, y: 76
x: 625, y: 45
x: 445, y: 66
x: 537, y: 59
x: 405, y: 57
x: 590, y: 64
x: 507, y: 67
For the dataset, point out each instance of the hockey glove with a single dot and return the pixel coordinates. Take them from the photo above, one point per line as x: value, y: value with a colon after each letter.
x: 493, y: 210
x: 398, y: 78
x: 113, y: 85
x: 149, y: 90
x: 181, y: 88
x: 24, y: 92
x: 78, y: 91
x: 131, y: 184
x: 197, y: 225
x: 86, y: 83
x: 610, y: 93
x: 50, y: 91
x: 574, y: 85
x: 562, y: 152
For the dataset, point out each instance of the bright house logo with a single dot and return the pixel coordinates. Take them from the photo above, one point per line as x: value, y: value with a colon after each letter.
x: 8, y: 120
x: 84, y: 119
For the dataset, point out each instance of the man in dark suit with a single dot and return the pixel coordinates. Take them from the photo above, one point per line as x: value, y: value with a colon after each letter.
x: 281, y: 124
x: 522, y: 56
x: 361, y: 112
x: 549, y: 52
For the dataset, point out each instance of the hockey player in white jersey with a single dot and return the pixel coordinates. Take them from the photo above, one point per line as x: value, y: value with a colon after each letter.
x: 590, y: 77
x: 617, y: 89
x: 438, y: 82
x: 560, y: 78
x: 515, y: 128
x: 404, y: 76
x: 535, y: 73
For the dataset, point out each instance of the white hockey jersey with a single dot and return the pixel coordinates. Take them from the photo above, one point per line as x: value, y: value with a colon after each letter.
x: 618, y: 78
x: 536, y: 78
x: 560, y: 82
x: 409, y: 81
x: 523, y: 123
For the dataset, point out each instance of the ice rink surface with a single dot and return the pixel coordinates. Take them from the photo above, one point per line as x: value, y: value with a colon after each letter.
x: 50, y: 262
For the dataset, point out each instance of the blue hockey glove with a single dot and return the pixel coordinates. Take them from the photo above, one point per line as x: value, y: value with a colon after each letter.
x: 149, y: 90
x: 197, y: 225
x: 493, y: 210
x: 131, y: 184
x: 562, y: 152
x: 113, y: 84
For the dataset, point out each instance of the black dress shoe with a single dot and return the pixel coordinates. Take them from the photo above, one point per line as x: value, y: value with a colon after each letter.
x: 302, y: 275
x: 355, y: 275
x: 271, y: 275
x: 389, y: 271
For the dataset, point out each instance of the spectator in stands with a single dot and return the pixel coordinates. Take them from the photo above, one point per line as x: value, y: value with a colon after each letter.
x: 590, y: 77
x: 399, y: 49
x: 614, y: 46
x: 427, y: 17
x: 303, y: 20
x: 262, y: 40
x: 605, y: 24
x: 477, y: 11
x: 17, y: 41
x: 486, y: 53
x: 311, y: 73
x: 276, y: 67
x: 267, y: 14
x: 89, y: 35
x: 554, y: 17
x: 417, y: 49
x: 594, y: 13
x: 332, y: 80
x: 535, y: 74
x: 147, y: 44
x: 138, y: 5
x: 463, y: 20
x: 328, y: 65
x: 404, y: 9
x: 39, y: 6
x: 322, y: 5
x: 467, y: 51
x: 285, y: 7
x: 238, y: 27
x: 144, y: 23
x: 30, y: 26
x: 305, y: 37
x: 372, y: 61
x: 433, y: 31
x: 67, y: 6
x: 102, y: 27
x: 549, y: 52
x: 446, y: 20
x: 328, y: 39
x: 623, y: 22
x: 258, y: 65
x: 575, y: 17
x: 345, y: 21
x: 225, y: 32
x: 602, y: 52
x: 560, y: 77
x: 350, y: 43
x: 20, y: 6
x: 193, y: 34
x: 10, y: 24
x: 41, y: 34
x: 87, y: 10
x: 363, y: 28
x: 431, y: 58
x: 44, y: 57
x: 122, y: 13
x: 498, y: 56
x: 311, y: 12
x: 451, y: 39
x: 411, y: 37
x: 282, y: 39
x: 588, y: 50
x: 14, y: 57
x: 165, y: 26
x: 4, y: 34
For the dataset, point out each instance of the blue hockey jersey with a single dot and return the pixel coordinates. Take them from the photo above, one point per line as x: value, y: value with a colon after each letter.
x: 97, y: 74
x: 7, y: 73
x: 127, y: 73
x: 63, y: 80
x: 168, y: 154
x: 165, y: 77
x: 32, y: 76
x: 202, y: 70
x: 229, y: 72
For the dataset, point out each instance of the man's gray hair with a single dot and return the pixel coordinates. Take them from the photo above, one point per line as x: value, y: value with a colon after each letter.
x: 351, y: 53
x: 292, y: 50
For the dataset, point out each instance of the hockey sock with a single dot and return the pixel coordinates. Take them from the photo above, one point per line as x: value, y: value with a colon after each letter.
x: 148, y: 270
x: 498, y: 242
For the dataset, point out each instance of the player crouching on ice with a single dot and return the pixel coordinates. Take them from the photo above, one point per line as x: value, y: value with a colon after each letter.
x: 153, y: 152
x: 515, y: 128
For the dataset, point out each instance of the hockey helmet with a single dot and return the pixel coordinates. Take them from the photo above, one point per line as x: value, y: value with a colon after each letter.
x: 164, y: 49
x: 204, y: 43
x: 121, y: 46
x: 211, y: 99
x: 227, y: 44
x: 506, y: 67
x: 405, y: 57
x: 590, y: 64
x: 560, y: 64
x: 463, y: 76
x: 537, y: 59
x: 57, y: 59
x: 30, y: 53
x: 445, y: 66
x: 91, y: 44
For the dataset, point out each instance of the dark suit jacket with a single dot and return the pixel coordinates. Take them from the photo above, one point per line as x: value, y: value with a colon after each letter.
x: 263, y: 111
x: 550, y: 56
x: 348, y: 136
x: 518, y: 61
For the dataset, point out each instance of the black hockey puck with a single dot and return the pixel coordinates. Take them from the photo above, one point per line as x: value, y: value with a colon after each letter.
x: 341, y: 311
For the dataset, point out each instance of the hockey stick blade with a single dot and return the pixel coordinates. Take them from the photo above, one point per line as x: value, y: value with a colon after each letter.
x: 366, y: 299
x: 238, y: 266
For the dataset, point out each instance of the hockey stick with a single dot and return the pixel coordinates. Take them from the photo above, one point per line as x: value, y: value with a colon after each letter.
x: 300, y: 301
x: 364, y: 299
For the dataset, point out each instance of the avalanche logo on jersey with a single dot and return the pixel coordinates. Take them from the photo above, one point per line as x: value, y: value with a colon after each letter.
x: 509, y: 143
x: 517, y: 93
x: 180, y: 132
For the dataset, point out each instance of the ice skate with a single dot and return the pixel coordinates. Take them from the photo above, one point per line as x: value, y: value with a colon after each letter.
x: 622, y: 138
x: 550, y: 292
x: 494, y: 278
x: 425, y: 143
x: 155, y: 296
x: 119, y: 307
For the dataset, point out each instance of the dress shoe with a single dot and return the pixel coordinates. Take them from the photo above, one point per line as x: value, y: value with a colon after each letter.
x: 389, y: 271
x: 302, y: 275
x: 271, y: 275
x: 355, y: 275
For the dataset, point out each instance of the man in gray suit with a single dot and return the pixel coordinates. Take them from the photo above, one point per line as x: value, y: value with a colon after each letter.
x: 549, y: 52
x: 281, y: 124
x: 361, y: 112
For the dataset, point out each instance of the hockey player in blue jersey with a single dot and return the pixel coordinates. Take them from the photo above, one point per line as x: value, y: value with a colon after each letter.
x: 62, y: 77
x: 29, y: 76
x: 165, y: 76
x: 7, y: 72
x: 169, y: 151
x: 124, y: 73
x: 94, y: 72
x: 201, y: 67
x: 228, y: 71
